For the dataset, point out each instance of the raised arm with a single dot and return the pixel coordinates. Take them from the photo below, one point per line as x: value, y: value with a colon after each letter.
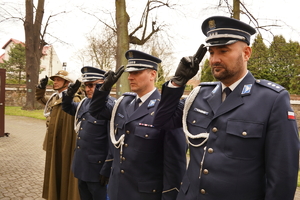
x: 68, y: 105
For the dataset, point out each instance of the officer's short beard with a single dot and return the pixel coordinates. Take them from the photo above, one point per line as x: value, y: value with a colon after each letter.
x: 230, y: 72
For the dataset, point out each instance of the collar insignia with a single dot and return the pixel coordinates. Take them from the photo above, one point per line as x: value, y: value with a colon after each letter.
x: 247, y: 89
x: 215, y: 89
x: 151, y: 103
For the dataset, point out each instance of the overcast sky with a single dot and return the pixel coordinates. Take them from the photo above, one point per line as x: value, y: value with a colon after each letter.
x: 184, y: 22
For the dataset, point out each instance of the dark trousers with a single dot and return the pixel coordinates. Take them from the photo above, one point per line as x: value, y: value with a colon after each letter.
x: 91, y: 190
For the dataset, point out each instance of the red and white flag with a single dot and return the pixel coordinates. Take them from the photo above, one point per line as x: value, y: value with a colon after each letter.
x: 291, y: 115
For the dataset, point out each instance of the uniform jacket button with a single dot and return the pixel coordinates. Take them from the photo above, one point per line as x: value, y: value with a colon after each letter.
x: 153, y: 190
x: 202, y: 191
x: 214, y: 129
x: 210, y: 150
x: 244, y: 133
x: 126, y: 145
x: 205, y: 171
x: 122, y: 171
x: 146, y: 136
x: 127, y: 131
x: 123, y: 158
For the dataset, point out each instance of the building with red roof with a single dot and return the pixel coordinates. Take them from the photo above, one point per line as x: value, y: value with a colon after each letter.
x: 50, y: 62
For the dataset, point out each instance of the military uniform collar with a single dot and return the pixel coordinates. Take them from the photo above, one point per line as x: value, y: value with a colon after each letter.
x: 235, y: 84
x: 146, y: 96
x: 60, y: 93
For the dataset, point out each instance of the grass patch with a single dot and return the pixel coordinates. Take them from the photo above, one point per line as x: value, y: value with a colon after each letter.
x: 17, y: 111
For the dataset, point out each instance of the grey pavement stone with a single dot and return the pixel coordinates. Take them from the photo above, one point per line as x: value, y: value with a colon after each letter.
x: 22, y: 159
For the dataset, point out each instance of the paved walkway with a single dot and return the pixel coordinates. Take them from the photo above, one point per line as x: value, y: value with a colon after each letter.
x: 22, y: 159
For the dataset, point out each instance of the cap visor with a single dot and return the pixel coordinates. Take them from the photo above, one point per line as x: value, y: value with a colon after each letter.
x: 133, y: 69
x: 220, y: 43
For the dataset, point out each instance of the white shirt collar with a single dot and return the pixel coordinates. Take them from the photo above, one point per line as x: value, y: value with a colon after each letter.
x: 60, y: 93
x: 146, y: 96
x: 233, y: 86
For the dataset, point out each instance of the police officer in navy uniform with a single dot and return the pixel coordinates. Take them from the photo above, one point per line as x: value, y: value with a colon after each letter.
x: 91, y: 162
x: 147, y: 164
x: 243, y: 145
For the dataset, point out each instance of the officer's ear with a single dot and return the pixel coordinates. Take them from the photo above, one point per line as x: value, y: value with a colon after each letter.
x: 153, y: 73
x: 247, y: 51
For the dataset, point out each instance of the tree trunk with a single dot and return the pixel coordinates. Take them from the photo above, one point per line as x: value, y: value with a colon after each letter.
x: 236, y: 9
x: 33, y: 50
x: 122, y: 20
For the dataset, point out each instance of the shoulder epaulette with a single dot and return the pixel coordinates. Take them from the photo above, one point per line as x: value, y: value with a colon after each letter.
x: 129, y: 94
x: 209, y: 83
x: 269, y: 84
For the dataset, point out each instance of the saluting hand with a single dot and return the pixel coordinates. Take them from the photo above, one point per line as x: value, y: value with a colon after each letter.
x: 111, y: 78
x: 43, y: 82
x: 73, y: 88
x: 188, y: 67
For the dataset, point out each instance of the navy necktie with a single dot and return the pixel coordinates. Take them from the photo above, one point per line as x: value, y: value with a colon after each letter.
x: 137, y: 102
x: 227, y: 91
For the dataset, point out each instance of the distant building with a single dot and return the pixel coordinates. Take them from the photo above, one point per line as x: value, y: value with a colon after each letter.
x: 50, y: 62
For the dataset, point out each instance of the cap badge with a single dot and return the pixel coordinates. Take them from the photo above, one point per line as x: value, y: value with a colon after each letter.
x: 130, y: 54
x: 211, y: 24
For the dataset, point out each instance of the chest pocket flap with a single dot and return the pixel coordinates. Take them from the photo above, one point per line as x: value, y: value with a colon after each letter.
x: 245, y: 129
x: 242, y: 138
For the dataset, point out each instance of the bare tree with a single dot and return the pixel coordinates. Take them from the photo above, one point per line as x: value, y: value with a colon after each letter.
x: 34, y: 40
x: 123, y: 38
x: 139, y: 35
x: 239, y: 8
x: 101, y: 49
x: 34, y: 46
x: 122, y: 20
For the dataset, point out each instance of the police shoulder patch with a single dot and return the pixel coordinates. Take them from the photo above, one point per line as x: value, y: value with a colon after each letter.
x: 209, y: 83
x: 269, y: 84
x: 129, y: 94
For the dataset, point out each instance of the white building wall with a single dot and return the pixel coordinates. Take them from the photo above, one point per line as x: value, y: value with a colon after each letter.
x: 7, y: 49
x: 50, y: 63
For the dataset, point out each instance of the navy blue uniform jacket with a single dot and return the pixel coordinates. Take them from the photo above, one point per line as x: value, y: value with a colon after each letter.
x: 152, y: 164
x: 91, y: 157
x: 253, y: 147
